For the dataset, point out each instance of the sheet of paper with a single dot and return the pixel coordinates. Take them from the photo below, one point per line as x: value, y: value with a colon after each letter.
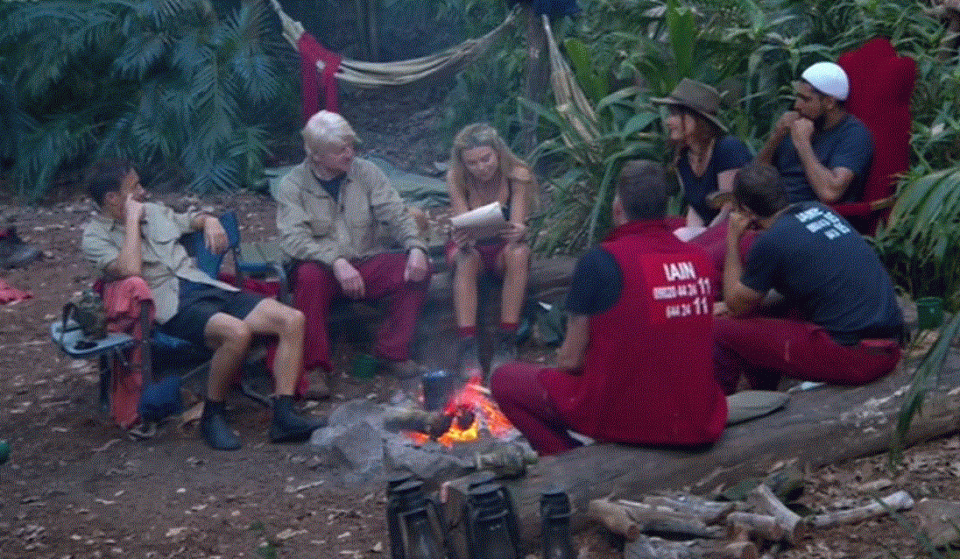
x: 489, y: 216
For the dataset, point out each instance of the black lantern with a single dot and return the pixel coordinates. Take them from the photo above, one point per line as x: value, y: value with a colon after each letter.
x: 393, y: 519
x: 555, y: 525
x: 492, y: 525
x: 415, y: 524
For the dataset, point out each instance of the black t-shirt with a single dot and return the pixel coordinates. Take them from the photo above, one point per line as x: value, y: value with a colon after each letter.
x: 848, y: 144
x: 821, y: 264
x: 729, y: 153
x: 596, y: 285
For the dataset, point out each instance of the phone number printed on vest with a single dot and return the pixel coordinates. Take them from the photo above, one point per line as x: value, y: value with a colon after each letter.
x: 677, y: 290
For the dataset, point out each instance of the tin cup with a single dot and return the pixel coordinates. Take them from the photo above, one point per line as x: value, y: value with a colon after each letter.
x: 437, y: 386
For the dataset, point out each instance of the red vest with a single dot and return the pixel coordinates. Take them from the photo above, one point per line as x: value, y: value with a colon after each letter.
x: 648, y: 373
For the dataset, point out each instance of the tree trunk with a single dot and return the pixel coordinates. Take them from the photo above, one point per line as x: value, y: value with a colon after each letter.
x: 537, y: 77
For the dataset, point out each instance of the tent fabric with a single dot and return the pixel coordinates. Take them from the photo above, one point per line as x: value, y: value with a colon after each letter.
x: 419, y: 190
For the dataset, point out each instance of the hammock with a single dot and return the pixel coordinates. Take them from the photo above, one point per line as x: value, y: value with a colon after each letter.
x: 572, y: 104
x: 375, y: 74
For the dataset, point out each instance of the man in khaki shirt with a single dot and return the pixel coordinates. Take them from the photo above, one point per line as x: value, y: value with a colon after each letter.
x: 130, y: 240
x: 334, y: 211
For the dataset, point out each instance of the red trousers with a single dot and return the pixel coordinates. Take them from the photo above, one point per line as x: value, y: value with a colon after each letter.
x: 516, y: 388
x: 765, y: 349
x: 315, y: 288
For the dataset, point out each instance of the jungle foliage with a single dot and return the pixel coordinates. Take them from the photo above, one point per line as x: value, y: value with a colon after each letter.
x: 753, y: 50
x: 173, y: 84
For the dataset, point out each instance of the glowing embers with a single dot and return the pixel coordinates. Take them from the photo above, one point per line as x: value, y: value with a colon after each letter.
x: 470, y: 411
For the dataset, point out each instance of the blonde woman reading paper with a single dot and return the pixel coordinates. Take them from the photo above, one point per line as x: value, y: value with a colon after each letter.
x: 484, y: 171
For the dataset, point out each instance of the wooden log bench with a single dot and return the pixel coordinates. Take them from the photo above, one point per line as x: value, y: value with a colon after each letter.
x: 817, y: 427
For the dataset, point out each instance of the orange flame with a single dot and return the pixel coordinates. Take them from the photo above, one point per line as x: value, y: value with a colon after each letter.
x: 471, y: 398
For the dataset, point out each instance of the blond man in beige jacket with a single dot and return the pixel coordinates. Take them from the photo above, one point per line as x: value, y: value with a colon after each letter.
x: 338, y: 216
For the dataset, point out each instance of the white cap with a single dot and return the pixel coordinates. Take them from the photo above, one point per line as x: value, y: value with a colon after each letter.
x: 828, y: 78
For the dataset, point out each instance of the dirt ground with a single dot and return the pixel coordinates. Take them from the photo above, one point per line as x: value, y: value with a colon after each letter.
x: 76, y: 487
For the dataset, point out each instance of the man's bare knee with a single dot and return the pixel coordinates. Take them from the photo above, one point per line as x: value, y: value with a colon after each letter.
x: 223, y: 329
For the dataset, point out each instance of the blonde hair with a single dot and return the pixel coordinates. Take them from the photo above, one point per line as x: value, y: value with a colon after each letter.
x: 483, y: 135
x: 325, y: 129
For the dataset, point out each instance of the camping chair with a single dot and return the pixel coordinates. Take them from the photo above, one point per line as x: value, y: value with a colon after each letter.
x: 881, y: 84
x: 165, y: 352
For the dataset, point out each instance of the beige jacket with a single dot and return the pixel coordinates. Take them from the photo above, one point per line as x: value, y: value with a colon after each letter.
x: 165, y: 260
x: 369, y: 215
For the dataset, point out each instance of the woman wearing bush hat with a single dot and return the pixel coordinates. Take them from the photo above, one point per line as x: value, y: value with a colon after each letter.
x: 705, y: 156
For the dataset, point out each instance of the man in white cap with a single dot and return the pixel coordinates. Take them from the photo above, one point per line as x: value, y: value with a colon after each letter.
x: 821, y: 151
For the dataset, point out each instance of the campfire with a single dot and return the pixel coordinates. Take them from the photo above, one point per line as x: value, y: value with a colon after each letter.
x: 467, y: 413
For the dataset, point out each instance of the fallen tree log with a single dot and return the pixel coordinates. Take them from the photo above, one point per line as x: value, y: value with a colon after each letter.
x: 816, y: 427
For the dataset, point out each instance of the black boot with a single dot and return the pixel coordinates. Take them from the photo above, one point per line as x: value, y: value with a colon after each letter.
x: 504, y: 352
x: 14, y: 252
x: 287, y: 426
x: 215, y: 429
x: 467, y: 360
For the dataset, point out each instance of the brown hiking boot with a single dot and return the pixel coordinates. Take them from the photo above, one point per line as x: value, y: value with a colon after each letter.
x: 319, y: 388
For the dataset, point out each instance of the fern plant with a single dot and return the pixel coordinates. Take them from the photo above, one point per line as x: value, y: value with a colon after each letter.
x: 169, y: 83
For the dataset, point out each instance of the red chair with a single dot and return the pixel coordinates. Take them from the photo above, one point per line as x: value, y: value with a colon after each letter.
x: 881, y: 84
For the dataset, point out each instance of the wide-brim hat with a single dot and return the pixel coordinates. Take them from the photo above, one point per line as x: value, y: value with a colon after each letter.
x: 696, y: 96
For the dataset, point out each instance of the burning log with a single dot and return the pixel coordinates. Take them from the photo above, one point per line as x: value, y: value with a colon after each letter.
x: 901, y: 500
x: 434, y: 423
x: 793, y: 526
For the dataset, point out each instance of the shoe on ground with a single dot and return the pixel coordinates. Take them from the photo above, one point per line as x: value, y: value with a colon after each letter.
x: 14, y: 252
x: 319, y: 388
x: 289, y: 426
x: 215, y: 429
x: 468, y: 362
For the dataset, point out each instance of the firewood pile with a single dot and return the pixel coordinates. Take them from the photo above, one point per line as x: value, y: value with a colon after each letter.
x: 685, y: 526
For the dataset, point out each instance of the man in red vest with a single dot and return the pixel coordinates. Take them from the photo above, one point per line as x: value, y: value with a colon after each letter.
x: 635, y: 365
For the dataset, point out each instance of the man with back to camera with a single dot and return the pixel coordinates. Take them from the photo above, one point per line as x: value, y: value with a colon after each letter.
x: 129, y: 239
x: 635, y: 364
x: 821, y: 150
x: 847, y: 322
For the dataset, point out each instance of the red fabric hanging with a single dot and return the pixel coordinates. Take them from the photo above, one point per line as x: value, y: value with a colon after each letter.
x: 312, y: 52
